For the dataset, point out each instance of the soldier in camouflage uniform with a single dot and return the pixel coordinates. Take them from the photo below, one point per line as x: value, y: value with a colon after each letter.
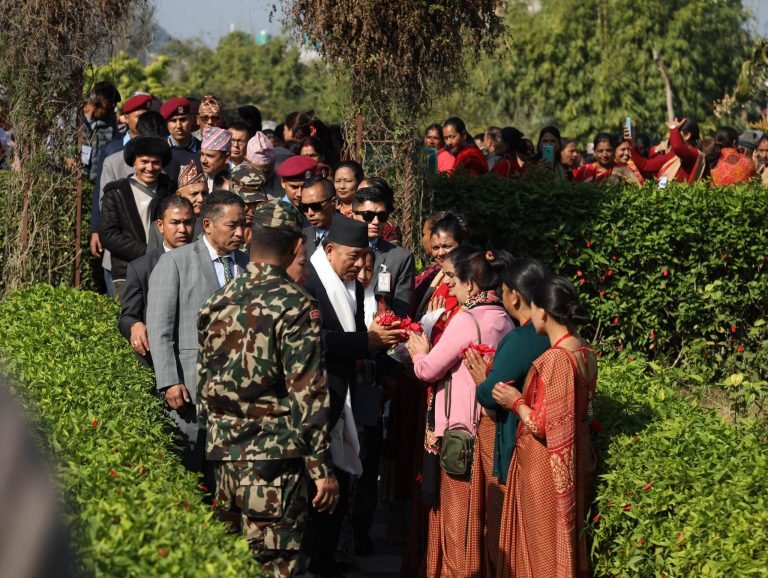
x: 264, y: 394
x: 248, y: 184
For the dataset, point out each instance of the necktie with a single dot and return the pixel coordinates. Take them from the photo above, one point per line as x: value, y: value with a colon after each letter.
x: 226, y: 261
x: 318, y: 238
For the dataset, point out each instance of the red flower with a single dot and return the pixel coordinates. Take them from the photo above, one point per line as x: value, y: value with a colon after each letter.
x: 628, y: 508
x: 665, y: 272
x: 653, y: 335
x: 601, y: 292
x: 609, y: 272
x: 589, y: 244
x: 740, y: 349
x: 114, y: 474
x: 480, y: 348
x: 647, y: 486
x: 599, y: 354
x: 387, y: 318
x: 186, y: 506
x: 203, y: 487
x: 596, y: 519
x: 213, y: 505
x: 583, y: 281
x: 595, y: 426
x: 163, y: 551
x: 620, y: 348
x: 578, y: 273
x: 143, y: 470
x: 615, y: 320
x: 733, y: 329
x: 95, y: 423
x: 725, y: 256
x: 614, y: 257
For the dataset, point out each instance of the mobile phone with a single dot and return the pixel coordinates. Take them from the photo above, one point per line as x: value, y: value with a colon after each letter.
x: 548, y: 154
x: 628, y: 124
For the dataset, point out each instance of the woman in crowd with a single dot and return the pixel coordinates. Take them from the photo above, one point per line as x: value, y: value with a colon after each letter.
x: 552, y: 471
x: 512, y: 165
x: 481, y: 319
x: 433, y: 138
x: 549, y: 136
x: 495, y: 442
x: 602, y: 168
x: 624, y: 169
x: 312, y: 147
x: 569, y: 154
x: 727, y: 166
x: 469, y: 159
x: 760, y: 158
x: 684, y: 163
x: 347, y: 176
x: 297, y: 127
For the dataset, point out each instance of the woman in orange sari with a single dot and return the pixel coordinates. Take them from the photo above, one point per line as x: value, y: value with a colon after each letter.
x: 727, y: 165
x: 552, y: 471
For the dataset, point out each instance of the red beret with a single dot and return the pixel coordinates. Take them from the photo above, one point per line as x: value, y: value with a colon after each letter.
x: 295, y: 168
x: 137, y: 102
x: 176, y: 105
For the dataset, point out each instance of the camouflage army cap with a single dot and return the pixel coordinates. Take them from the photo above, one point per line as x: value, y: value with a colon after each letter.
x: 248, y: 183
x: 277, y: 214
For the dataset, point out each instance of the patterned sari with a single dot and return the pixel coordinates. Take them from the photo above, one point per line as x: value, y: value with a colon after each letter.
x: 551, y: 475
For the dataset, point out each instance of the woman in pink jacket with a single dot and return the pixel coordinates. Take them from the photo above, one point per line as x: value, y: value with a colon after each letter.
x: 481, y: 320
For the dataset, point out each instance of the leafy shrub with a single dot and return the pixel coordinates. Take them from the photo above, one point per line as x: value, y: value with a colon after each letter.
x: 135, y: 510
x: 678, y: 274
x: 682, y: 493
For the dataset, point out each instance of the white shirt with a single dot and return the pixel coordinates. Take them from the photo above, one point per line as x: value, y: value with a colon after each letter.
x: 218, y: 266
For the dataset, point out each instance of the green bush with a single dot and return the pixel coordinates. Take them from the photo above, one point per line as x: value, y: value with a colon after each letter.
x: 678, y: 274
x: 682, y: 493
x: 135, y: 510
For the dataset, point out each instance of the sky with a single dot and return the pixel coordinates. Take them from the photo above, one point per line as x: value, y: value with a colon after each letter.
x: 210, y: 20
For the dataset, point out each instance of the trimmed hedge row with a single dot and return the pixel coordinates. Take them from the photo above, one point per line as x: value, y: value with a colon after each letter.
x: 682, y: 493
x: 681, y: 271
x: 135, y: 510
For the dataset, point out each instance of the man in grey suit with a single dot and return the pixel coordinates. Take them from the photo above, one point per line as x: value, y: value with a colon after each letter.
x: 175, y: 222
x: 318, y: 208
x: 394, y: 269
x: 180, y: 283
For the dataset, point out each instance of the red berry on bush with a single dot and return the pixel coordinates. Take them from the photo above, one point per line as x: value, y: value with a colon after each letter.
x: 647, y: 486
x: 740, y: 349
x: 733, y: 329
x: 609, y: 272
x: 578, y: 273
x: 589, y: 244
x: 596, y: 519
x: 95, y: 423
x: 628, y: 508
x: 615, y: 320
x: 653, y: 335
x: 114, y: 474
x: 583, y: 281
x: 665, y: 272
x: 163, y: 551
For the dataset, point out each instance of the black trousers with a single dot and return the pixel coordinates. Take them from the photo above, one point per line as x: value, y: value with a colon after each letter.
x: 323, y: 529
x: 367, y: 487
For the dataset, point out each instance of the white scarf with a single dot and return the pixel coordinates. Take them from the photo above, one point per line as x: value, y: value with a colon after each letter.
x: 345, y: 446
x: 370, y: 306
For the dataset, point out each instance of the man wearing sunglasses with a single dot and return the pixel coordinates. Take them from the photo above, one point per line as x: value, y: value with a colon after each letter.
x: 317, y: 207
x: 394, y: 268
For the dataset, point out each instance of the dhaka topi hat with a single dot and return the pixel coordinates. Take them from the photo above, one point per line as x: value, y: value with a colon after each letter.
x: 260, y: 150
x: 190, y: 174
x: 216, y: 139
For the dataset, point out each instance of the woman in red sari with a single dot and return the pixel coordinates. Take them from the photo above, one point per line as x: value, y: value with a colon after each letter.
x: 551, y: 476
x: 684, y: 163
x: 602, y: 168
x: 624, y: 167
x: 469, y: 159
x: 512, y: 165
x: 727, y: 165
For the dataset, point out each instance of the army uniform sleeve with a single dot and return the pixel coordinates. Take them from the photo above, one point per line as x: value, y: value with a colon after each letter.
x: 301, y: 353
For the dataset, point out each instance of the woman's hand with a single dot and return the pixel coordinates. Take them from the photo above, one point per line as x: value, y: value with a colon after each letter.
x: 629, y: 137
x: 505, y: 395
x: 673, y: 124
x: 477, y: 365
x: 436, y: 302
x: 417, y: 343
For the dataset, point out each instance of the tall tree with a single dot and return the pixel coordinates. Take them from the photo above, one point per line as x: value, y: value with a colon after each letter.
x: 587, y: 64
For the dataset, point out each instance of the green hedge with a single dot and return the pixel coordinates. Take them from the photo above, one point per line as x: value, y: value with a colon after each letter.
x: 135, y: 510
x: 679, y: 274
x: 682, y: 493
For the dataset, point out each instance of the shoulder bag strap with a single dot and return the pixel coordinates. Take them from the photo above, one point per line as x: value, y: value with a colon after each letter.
x: 479, y: 341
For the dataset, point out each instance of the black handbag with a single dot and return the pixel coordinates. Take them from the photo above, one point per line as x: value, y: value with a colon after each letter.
x: 458, y: 448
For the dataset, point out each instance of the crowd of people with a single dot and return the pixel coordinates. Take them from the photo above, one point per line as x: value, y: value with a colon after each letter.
x: 312, y: 370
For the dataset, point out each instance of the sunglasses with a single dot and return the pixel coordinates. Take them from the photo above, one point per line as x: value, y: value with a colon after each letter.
x: 369, y: 216
x: 210, y: 118
x: 314, y: 207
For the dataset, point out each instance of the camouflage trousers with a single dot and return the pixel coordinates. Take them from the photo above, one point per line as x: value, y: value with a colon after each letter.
x: 271, y: 513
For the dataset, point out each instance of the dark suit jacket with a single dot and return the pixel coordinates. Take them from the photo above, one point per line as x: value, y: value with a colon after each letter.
x: 133, y: 307
x: 341, y: 348
x: 121, y: 229
x: 401, y: 265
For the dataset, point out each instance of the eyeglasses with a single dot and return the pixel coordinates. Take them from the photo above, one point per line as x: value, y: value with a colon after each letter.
x: 239, y: 141
x: 314, y: 207
x: 210, y: 118
x: 369, y: 216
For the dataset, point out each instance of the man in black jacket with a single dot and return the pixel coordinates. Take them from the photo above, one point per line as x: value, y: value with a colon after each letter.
x: 176, y: 222
x: 129, y: 206
x: 332, y: 282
